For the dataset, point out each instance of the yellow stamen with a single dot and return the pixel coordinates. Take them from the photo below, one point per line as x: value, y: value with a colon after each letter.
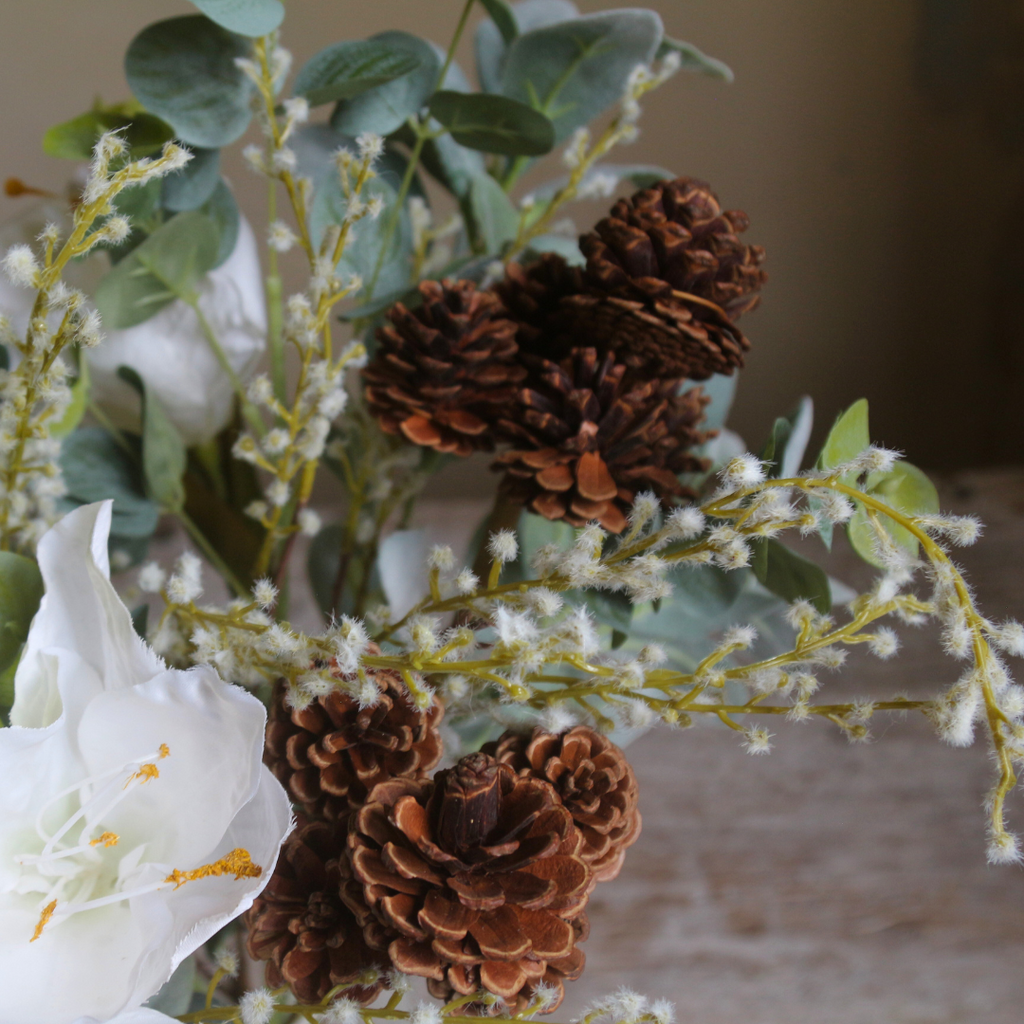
x: 44, y: 917
x: 107, y: 839
x: 165, y: 751
x: 144, y: 774
x: 237, y: 863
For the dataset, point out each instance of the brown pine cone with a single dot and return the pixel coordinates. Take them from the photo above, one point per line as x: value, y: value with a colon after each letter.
x: 584, y: 441
x: 473, y: 880
x: 444, y: 368
x: 329, y: 755
x: 594, y: 781
x: 667, y: 277
x: 299, y: 925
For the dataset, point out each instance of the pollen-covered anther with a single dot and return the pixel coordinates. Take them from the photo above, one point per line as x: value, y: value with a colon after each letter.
x: 107, y: 839
x: 238, y: 863
x: 44, y: 918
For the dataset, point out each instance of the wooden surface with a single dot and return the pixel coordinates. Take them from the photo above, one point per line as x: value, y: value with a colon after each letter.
x: 826, y: 883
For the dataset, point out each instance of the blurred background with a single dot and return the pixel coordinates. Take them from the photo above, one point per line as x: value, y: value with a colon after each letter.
x: 876, y: 146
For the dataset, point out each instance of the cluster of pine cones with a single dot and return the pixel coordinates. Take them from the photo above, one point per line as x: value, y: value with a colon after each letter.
x: 576, y: 371
x: 476, y: 879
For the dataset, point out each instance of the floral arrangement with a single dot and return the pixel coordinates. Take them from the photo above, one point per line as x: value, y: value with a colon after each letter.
x: 432, y: 784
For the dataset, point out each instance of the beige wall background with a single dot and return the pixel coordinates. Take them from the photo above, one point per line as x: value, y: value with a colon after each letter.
x: 891, y: 212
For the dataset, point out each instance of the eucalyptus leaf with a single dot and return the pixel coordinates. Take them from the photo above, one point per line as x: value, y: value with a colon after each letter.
x: 721, y: 389
x: 402, y: 565
x: 638, y: 175
x: 789, y: 575
x: 695, y: 61
x: 222, y: 209
x: 140, y: 623
x: 785, y: 447
x: 503, y: 17
x: 493, y: 124
x: 384, y: 108
x: 175, y: 997
x: 567, y: 248
x: 95, y: 467
x: 183, y: 70
x: 495, y: 219
x: 574, y: 70
x: 163, y: 451
x: 21, y: 590
x: 144, y: 133
x: 491, y: 45
x: 848, y: 437
x: 454, y: 166
x: 907, y: 489
x: 168, y: 264
x: 248, y: 17
x: 349, y: 68
x: 194, y: 184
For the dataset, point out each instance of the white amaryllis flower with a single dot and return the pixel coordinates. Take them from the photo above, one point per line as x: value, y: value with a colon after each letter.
x: 136, y: 817
x: 172, y: 355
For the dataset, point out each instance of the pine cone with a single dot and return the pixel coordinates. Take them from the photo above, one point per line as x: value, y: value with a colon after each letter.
x: 594, y: 781
x: 299, y: 925
x: 473, y: 880
x: 330, y: 754
x: 584, y: 441
x: 667, y: 276
x: 444, y: 368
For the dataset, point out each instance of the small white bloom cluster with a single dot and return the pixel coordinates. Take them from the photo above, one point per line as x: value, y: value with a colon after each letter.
x: 628, y: 1007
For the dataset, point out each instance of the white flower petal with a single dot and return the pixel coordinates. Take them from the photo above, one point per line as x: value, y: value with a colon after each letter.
x: 80, y: 612
x: 172, y: 355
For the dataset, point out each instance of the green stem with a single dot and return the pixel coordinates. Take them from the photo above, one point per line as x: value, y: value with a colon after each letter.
x: 211, y: 553
x: 249, y: 410
x: 275, y: 311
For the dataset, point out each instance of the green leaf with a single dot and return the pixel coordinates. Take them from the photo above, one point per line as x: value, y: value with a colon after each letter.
x: 74, y: 139
x: 79, y: 402
x: 567, y: 248
x: 721, y: 389
x: 175, y: 997
x: 495, y: 220
x: 194, y: 184
x: 95, y: 468
x: 493, y: 124
x: 907, y: 489
x: 789, y: 575
x: 222, y: 209
x: 163, y: 451
x: 575, y: 70
x: 847, y: 438
x: 21, y: 590
x: 695, y: 61
x: 346, y: 69
x: 140, y: 623
x: 491, y: 47
x: 384, y: 108
x: 248, y: 17
x: 184, y: 71
x: 322, y: 565
x: 638, y: 175
x: 167, y: 265
x: 787, y: 442
x: 503, y: 18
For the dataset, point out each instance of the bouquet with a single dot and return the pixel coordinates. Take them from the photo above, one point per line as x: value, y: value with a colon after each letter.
x: 215, y: 813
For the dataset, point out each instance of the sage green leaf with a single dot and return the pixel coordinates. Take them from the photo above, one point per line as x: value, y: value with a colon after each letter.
x: 322, y: 565
x: 75, y: 139
x: 184, y: 71
x: 163, y: 451
x: 575, y: 70
x: 786, y: 444
x: 493, y: 124
x: 175, y: 997
x: 140, y: 623
x: 346, y: 69
x: 695, y: 61
x: 95, y: 467
x: 495, y: 219
x: 907, y: 489
x: 789, y: 575
x: 848, y: 437
x: 721, y: 389
x: 567, y: 248
x: 503, y: 18
x: 637, y: 175
x: 21, y: 590
x: 491, y: 46
x: 79, y: 402
x: 222, y: 209
x: 384, y: 108
x: 167, y: 265
x: 247, y: 17
x: 194, y: 184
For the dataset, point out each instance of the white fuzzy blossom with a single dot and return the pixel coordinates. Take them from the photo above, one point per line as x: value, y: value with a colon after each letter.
x: 257, y: 1006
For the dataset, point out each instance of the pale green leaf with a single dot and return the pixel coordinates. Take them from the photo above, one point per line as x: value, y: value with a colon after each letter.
x: 695, y: 61
x: 346, y: 69
x: 75, y: 139
x: 248, y: 17
x: 789, y: 575
x: 503, y: 17
x: 21, y: 590
x: 194, y: 184
x: 493, y: 124
x: 495, y: 220
x: 847, y: 438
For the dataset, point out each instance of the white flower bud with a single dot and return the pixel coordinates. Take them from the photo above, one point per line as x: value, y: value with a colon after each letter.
x: 19, y: 264
x: 308, y: 522
x: 257, y: 1006
x: 503, y: 546
x: 151, y: 578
